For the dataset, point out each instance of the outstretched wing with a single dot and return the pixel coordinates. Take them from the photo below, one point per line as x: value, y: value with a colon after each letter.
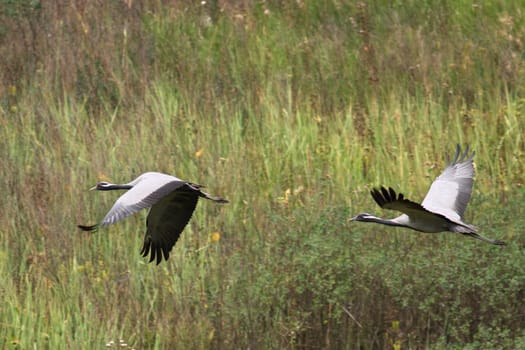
x: 166, y: 221
x: 450, y: 192
x: 415, y: 215
x: 143, y: 195
x: 388, y: 199
x: 168, y: 218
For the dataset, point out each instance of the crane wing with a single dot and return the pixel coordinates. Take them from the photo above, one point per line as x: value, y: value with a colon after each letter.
x: 388, y: 199
x: 144, y: 194
x: 166, y: 221
x: 450, y: 192
x: 414, y: 215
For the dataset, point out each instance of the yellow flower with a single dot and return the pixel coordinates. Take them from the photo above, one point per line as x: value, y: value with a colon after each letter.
x: 285, y: 197
x: 198, y: 154
x: 215, y: 237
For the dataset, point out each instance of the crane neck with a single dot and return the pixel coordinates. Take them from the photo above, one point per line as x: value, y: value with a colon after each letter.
x: 384, y: 221
x: 112, y: 187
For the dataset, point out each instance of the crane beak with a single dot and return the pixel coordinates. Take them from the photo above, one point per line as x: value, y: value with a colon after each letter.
x: 93, y: 188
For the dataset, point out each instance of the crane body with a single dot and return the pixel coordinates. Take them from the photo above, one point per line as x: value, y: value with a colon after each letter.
x: 442, y: 208
x: 171, y: 202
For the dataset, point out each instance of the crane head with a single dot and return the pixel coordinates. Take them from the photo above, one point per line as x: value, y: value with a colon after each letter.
x: 101, y: 186
x: 362, y: 217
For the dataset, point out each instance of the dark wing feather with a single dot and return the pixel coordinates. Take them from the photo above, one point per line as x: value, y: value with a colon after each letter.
x: 388, y: 199
x: 88, y: 228
x: 166, y: 221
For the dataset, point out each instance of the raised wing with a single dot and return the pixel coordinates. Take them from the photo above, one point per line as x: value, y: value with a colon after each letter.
x: 166, y: 221
x: 148, y: 191
x: 414, y: 215
x: 450, y: 192
x: 388, y: 199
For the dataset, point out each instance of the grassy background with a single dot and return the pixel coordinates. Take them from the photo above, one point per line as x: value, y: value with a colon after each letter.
x: 292, y: 111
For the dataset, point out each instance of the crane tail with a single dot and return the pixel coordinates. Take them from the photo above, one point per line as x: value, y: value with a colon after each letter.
x: 471, y: 230
x: 485, y: 239
x: 203, y: 194
x: 213, y: 198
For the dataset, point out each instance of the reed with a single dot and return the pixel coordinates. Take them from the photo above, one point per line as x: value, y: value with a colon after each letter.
x: 292, y: 111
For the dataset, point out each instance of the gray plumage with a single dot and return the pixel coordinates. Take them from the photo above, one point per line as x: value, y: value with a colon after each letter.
x: 442, y: 208
x: 172, y: 202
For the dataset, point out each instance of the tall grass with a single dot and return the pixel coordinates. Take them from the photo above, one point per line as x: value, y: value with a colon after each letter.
x: 292, y: 111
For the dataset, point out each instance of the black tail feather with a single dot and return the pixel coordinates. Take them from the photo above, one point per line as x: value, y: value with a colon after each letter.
x: 489, y: 240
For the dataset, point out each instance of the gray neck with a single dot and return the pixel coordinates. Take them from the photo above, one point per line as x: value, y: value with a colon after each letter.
x: 384, y: 221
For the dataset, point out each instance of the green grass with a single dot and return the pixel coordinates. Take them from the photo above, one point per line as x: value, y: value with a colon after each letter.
x: 292, y: 111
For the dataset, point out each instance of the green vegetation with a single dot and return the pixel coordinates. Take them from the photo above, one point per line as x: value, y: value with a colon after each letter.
x: 291, y: 110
